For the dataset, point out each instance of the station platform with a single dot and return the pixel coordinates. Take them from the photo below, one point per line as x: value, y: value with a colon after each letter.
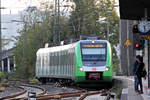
x: 128, y: 92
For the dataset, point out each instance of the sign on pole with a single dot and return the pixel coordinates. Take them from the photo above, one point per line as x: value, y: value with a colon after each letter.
x: 127, y: 42
x: 148, y: 37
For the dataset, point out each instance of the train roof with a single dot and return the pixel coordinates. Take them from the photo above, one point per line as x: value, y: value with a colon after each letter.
x: 56, y: 48
x: 64, y: 47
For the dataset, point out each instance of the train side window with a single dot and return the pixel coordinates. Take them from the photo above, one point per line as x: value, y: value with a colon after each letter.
x: 37, y: 61
x: 59, y: 55
x: 41, y: 61
x: 49, y: 59
x: 57, y: 58
x: 69, y: 53
x: 63, y: 58
x: 52, y: 59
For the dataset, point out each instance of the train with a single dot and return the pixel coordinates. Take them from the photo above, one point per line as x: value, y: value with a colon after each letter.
x: 82, y: 61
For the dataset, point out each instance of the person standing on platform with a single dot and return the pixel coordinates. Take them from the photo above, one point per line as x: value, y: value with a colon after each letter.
x: 134, y: 69
x: 140, y: 73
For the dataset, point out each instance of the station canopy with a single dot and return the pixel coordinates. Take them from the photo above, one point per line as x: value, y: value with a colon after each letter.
x: 134, y: 9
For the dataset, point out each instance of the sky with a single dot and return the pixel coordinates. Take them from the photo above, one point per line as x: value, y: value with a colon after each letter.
x: 15, y: 6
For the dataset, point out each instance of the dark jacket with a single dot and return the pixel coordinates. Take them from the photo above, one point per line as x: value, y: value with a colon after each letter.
x: 139, y: 69
x: 134, y: 68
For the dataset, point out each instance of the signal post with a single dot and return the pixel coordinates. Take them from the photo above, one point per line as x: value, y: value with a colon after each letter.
x: 140, y: 12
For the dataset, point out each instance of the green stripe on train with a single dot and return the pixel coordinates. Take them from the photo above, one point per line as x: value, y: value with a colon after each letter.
x: 78, y: 64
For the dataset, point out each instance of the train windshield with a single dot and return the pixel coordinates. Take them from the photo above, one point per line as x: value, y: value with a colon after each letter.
x: 93, y: 54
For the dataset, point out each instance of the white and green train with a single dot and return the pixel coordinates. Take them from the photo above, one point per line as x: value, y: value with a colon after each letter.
x: 83, y: 61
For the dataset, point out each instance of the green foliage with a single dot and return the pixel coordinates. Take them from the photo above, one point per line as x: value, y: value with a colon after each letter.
x: 1, y: 74
x: 32, y: 37
x: 4, y: 81
x: 34, y: 80
x: 2, y: 89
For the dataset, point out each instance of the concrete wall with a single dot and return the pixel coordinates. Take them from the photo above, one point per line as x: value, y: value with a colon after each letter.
x: 126, y: 62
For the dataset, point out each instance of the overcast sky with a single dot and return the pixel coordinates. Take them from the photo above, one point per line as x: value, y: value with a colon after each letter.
x: 15, y: 6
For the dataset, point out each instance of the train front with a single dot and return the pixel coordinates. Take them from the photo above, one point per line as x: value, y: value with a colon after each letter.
x: 96, y: 61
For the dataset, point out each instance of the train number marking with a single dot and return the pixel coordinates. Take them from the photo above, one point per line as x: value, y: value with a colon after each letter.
x: 93, y: 69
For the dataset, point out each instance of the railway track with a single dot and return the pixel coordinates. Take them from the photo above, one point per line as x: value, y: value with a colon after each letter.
x: 81, y: 95
x: 24, y: 94
x: 42, y: 94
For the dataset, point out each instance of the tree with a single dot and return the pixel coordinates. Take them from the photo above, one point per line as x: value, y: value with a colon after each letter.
x: 36, y: 32
x: 5, y: 42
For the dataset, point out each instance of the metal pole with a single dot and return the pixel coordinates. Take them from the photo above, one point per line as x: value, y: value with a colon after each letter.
x: 148, y: 49
x: 0, y: 38
x: 128, y: 71
x: 107, y: 30
x: 148, y: 63
x: 24, y: 45
x: 54, y: 26
x: 120, y: 41
x: 59, y: 20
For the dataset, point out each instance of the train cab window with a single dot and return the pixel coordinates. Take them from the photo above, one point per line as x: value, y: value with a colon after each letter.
x: 94, y: 54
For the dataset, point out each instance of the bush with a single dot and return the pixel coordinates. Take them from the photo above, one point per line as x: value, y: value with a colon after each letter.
x: 5, y: 83
x: 2, y: 89
x: 1, y: 75
x: 34, y: 80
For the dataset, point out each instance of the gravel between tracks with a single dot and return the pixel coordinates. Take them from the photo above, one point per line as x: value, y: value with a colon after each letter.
x: 51, y: 89
x: 10, y: 90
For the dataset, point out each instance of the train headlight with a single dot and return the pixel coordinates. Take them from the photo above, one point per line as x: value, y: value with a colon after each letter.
x: 93, y: 41
x: 81, y: 68
x: 107, y: 69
